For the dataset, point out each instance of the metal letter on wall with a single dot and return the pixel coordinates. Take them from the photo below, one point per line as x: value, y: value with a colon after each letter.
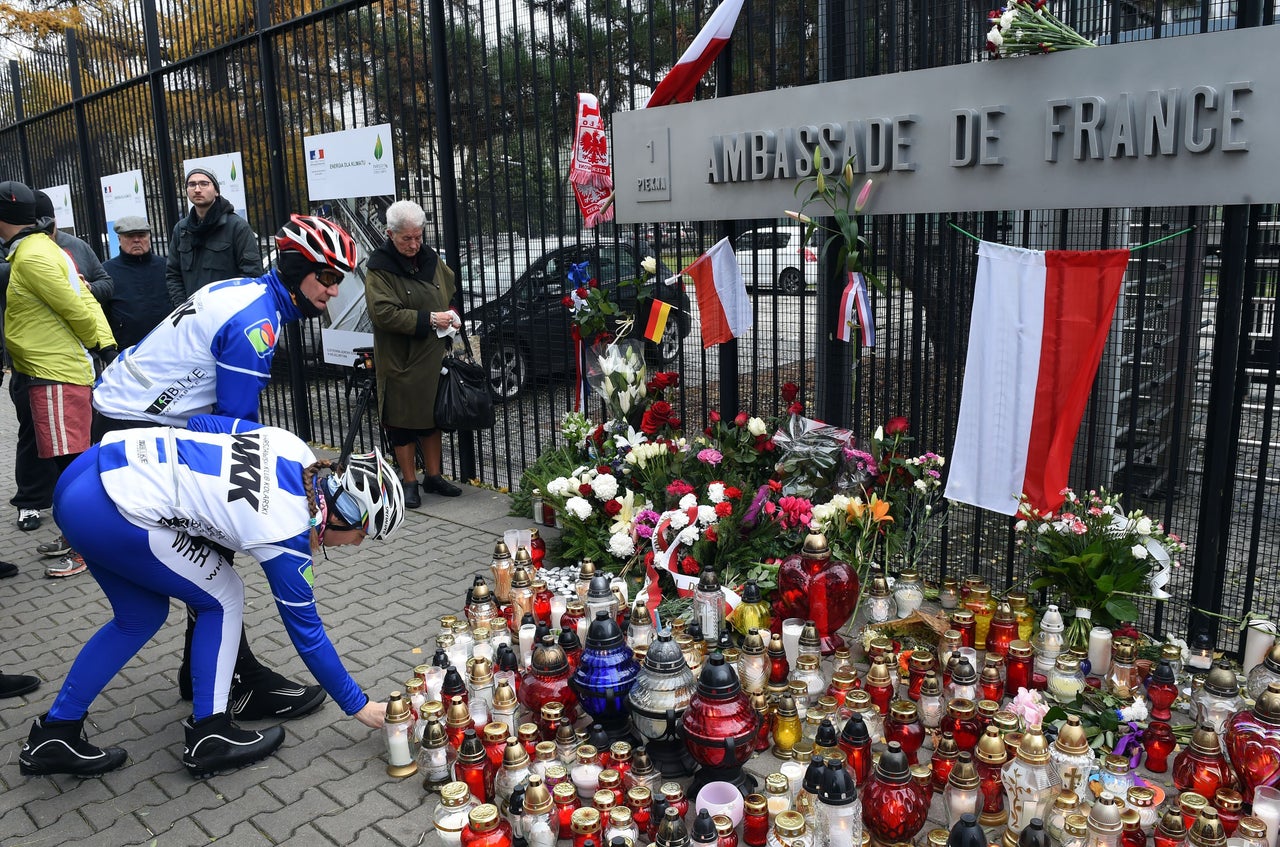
x: 1190, y: 120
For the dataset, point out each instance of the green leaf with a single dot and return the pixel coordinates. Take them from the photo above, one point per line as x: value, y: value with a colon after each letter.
x: 1122, y: 608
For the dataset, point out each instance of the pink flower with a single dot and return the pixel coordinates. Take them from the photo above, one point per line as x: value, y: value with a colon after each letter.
x: 710, y: 456
x: 1029, y: 708
x: 796, y: 511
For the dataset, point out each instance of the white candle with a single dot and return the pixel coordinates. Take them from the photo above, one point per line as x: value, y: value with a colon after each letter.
x: 479, y: 712
x: 791, y: 629
x: 558, y: 604
x: 1261, y: 636
x: 1099, y: 651
x: 1266, y: 805
x: 794, y: 772
x: 527, y: 631
x: 435, y: 679
x: 483, y: 650
x: 398, y: 754
x: 582, y: 630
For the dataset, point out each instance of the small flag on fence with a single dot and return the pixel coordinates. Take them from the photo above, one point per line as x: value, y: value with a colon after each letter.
x: 657, y: 325
x: 855, y: 306
x: 723, y: 303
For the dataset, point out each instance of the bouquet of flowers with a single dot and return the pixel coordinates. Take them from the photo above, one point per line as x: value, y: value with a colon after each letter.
x: 910, y: 485
x: 596, y: 515
x: 810, y: 454
x: 836, y: 194
x: 1027, y: 27
x: 615, y: 371
x: 1096, y: 555
x: 854, y: 527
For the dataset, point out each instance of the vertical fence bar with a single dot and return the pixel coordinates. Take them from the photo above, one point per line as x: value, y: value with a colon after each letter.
x: 82, y: 137
x: 19, y: 117
x: 280, y: 204
x: 448, y: 185
x: 160, y: 115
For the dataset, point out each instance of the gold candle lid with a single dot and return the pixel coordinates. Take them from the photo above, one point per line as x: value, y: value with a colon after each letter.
x: 515, y: 755
x: 991, y: 749
x: 1191, y: 802
x: 776, y: 783
x: 1227, y: 800
x: 495, y: 733
x: 1140, y: 797
x: 586, y: 753
x: 1207, y: 831
x: 586, y: 820
x: 455, y: 793
x: 937, y: 837
x: 1071, y: 738
x: 756, y: 804
x: 537, y: 799
x: 483, y: 818
x: 528, y: 732
x: 808, y: 662
x: 1021, y: 649
x: 962, y: 708
x: 789, y: 824
x: 604, y: 799
x: 398, y: 709
x: 504, y: 696
x: 563, y: 792
x: 620, y: 817
x: 545, y: 751
x: 1077, y: 825
x: 1252, y: 827
x: 639, y: 795
x: 610, y: 778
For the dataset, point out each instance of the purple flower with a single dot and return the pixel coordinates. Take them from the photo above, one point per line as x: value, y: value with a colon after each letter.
x: 757, y: 503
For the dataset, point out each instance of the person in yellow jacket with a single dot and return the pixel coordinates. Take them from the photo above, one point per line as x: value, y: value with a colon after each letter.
x: 54, y: 329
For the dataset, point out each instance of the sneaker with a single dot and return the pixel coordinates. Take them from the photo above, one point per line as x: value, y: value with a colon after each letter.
x: 60, y: 747
x: 439, y: 485
x: 28, y: 519
x: 217, y: 744
x: 66, y: 566
x: 15, y: 685
x: 412, y: 499
x: 265, y: 694
x: 53, y: 549
x: 8, y: 569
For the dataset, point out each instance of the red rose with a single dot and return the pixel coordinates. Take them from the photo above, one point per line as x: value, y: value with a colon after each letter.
x: 896, y: 426
x: 584, y: 490
x: 714, y: 416
x: 789, y: 391
x: 796, y: 408
x: 724, y: 508
x: 674, y: 423
x: 733, y: 493
x: 595, y: 283
x: 598, y: 436
x: 612, y: 508
x: 741, y: 419
x: 582, y: 293
x: 656, y: 417
x: 767, y: 446
x: 567, y: 301
x: 604, y: 469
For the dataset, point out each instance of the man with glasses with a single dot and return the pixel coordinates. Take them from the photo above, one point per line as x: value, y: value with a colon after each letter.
x: 213, y: 354
x: 212, y: 243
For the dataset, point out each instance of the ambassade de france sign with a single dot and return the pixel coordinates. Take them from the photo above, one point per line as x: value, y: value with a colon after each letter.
x: 1192, y: 120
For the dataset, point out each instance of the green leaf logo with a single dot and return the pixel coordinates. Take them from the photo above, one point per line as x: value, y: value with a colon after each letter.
x: 377, y: 148
x: 135, y: 186
x: 233, y: 171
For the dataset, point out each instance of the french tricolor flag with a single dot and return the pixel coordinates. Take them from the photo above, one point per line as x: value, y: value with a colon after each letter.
x: 1039, y: 325
x: 724, y: 308
x: 679, y: 85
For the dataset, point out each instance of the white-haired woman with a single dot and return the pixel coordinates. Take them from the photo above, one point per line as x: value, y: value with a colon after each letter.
x: 409, y: 291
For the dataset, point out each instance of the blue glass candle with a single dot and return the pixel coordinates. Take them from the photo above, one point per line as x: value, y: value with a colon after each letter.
x: 605, y: 675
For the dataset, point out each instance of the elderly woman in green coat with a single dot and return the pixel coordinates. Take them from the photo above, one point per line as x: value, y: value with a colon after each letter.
x: 409, y: 291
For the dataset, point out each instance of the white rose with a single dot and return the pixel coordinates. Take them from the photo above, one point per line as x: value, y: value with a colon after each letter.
x: 1139, y: 551
x: 688, y: 501
x: 1143, y: 526
x: 605, y: 486
x: 650, y: 265
x: 621, y: 545
x: 1020, y: 526
x: 578, y: 507
x: 755, y: 426
x: 921, y: 485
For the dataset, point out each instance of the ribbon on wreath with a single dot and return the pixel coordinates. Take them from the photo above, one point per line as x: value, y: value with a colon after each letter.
x: 665, y: 552
x: 590, y: 172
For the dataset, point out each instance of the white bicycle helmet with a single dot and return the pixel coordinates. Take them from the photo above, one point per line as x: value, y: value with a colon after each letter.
x: 320, y: 241
x: 367, y: 493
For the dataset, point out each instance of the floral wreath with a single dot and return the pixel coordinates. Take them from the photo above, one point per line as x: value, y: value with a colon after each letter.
x: 678, y: 528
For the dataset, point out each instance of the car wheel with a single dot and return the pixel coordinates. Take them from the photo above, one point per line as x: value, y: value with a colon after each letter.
x: 668, y: 348
x: 791, y: 281
x: 507, y: 373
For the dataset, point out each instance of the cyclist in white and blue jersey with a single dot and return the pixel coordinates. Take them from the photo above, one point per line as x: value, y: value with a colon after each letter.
x: 142, y: 508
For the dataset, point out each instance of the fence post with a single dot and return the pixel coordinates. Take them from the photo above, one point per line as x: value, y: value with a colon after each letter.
x: 730, y: 399
x: 87, y: 168
x: 19, y: 116
x: 1227, y: 387
x: 834, y: 401
x: 160, y: 116
x: 448, y: 187
x: 280, y: 205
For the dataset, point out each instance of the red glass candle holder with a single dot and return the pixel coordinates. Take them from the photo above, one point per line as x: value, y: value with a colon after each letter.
x: 962, y: 722
x: 1001, y: 633
x: 1201, y: 767
x: 904, y: 727
x: 1158, y: 743
x: 894, y: 807
x: 1162, y: 690
x: 1018, y: 667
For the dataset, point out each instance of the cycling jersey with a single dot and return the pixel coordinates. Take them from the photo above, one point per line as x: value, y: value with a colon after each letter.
x: 235, y: 482
x: 210, y: 355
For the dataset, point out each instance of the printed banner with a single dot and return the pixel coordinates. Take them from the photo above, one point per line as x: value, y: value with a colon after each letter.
x: 350, y: 163
x: 229, y: 169
x: 122, y: 194
x: 63, y: 214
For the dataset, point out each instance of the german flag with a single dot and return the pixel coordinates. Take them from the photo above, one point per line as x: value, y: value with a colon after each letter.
x: 658, y: 314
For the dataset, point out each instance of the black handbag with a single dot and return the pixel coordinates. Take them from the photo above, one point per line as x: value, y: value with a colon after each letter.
x: 463, y: 399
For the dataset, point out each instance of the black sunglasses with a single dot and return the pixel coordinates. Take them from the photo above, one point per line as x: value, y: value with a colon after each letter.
x: 329, y: 277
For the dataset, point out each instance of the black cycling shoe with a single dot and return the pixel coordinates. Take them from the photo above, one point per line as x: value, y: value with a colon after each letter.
x: 216, y: 744
x: 412, y: 499
x: 61, y: 747
x: 262, y: 694
x: 439, y: 485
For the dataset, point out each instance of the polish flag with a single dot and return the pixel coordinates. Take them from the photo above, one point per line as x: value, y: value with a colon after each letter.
x: 1039, y: 325
x: 723, y: 304
x: 681, y: 81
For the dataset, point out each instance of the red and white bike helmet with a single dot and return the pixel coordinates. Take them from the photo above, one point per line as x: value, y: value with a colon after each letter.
x: 318, y: 240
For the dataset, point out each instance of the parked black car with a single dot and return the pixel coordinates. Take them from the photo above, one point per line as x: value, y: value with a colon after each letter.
x: 525, y: 332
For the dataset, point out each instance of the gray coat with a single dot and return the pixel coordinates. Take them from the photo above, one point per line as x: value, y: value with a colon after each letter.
x: 227, y: 250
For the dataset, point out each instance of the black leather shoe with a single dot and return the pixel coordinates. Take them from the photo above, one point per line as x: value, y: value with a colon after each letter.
x: 216, y: 744
x: 8, y: 569
x: 15, y: 685
x: 60, y: 747
x: 440, y: 485
x: 412, y: 499
x: 266, y: 695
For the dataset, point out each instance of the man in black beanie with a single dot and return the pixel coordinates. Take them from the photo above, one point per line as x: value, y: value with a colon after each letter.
x: 210, y: 244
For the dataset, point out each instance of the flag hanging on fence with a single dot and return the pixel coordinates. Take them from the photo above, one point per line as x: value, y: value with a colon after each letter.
x: 680, y: 83
x: 855, y: 307
x: 1039, y: 324
x: 659, y: 312
x: 723, y: 304
x: 590, y: 172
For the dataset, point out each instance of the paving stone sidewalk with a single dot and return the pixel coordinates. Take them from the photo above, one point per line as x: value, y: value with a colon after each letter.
x: 326, y: 786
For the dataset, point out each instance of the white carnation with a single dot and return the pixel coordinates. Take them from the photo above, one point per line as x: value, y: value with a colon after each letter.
x: 578, y: 507
x: 715, y: 492
x: 622, y: 545
x: 605, y: 486
x: 688, y: 501
x: 558, y: 487
x: 687, y: 536
x: 706, y: 515
x: 678, y: 519
x: 995, y: 39
x: 1135, y: 711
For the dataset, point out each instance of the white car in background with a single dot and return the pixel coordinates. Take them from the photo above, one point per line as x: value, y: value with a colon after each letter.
x: 776, y: 257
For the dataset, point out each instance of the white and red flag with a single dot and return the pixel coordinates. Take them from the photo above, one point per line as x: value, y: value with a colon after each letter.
x: 1039, y: 325
x: 680, y: 83
x: 723, y: 304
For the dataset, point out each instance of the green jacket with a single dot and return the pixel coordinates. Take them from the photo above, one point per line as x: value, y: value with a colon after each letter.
x: 51, y: 319
x: 401, y: 294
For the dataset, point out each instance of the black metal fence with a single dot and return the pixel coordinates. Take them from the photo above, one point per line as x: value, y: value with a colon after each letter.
x: 1181, y: 417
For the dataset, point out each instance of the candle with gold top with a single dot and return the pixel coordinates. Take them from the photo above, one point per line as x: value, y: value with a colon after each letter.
x: 1029, y: 783
x: 500, y: 566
